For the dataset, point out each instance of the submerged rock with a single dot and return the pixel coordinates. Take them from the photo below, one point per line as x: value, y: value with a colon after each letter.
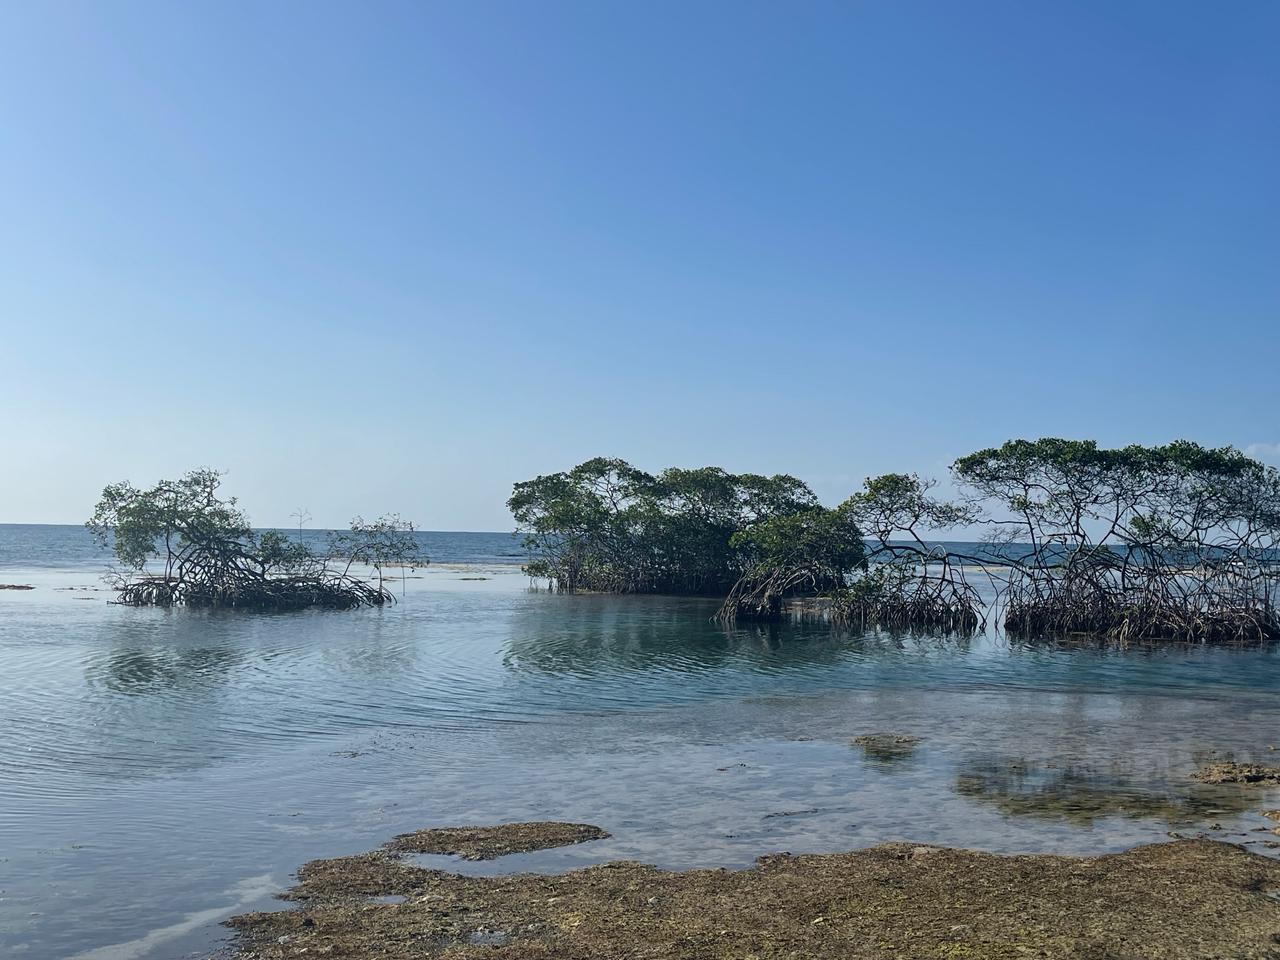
x: 486, y: 843
x: 1229, y: 771
x: 1082, y: 793
x: 887, y: 747
x: 1191, y: 898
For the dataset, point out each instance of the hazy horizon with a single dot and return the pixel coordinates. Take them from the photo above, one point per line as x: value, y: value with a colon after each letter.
x: 398, y: 262
x: 1267, y: 453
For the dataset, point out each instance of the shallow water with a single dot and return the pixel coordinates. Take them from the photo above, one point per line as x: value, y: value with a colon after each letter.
x: 160, y: 770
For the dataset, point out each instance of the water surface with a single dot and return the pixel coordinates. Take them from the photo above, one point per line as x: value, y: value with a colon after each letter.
x: 161, y: 769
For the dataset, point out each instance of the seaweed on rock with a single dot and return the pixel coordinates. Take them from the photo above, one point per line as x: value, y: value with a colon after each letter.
x: 1185, y: 899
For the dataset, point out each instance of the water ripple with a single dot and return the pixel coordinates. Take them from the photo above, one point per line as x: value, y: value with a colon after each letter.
x: 145, y: 741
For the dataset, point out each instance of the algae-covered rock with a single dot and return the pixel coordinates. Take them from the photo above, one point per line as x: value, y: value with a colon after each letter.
x: 1172, y: 901
x: 486, y: 843
x: 1229, y: 771
x: 887, y: 747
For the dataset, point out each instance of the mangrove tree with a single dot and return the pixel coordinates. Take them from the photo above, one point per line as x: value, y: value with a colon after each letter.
x: 181, y: 542
x: 1177, y: 541
x: 608, y: 526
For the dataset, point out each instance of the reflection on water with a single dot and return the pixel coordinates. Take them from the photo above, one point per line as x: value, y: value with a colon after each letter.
x: 1081, y: 792
x: 658, y: 637
x: 135, y: 672
x: 154, y: 761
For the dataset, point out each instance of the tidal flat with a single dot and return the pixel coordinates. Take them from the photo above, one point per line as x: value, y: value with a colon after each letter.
x: 1181, y: 899
x: 166, y: 770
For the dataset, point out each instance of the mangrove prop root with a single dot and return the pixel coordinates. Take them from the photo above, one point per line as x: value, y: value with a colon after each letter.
x: 289, y: 592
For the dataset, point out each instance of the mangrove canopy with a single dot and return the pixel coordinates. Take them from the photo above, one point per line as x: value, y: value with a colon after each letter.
x: 607, y: 526
x: 809, y: 553
x: 181, y: 542
x: 1177, y: 542
x: 911, y: 580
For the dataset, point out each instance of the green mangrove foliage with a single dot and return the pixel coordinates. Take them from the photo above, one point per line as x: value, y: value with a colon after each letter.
x: 757, y: 541
x: 808, y: 553
x: 866, y: 560
x: 1165, y: 542
x: 1140, y: 543
x: 382, y: 543
x: 607, y: 526
x: 909, y: 582
x: 180, y: 542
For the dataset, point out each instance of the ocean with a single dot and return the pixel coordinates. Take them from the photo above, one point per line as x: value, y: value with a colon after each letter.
x: 161, y: 770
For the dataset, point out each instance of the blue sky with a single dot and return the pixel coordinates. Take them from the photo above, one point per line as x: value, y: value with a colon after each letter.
x: 397, y: 256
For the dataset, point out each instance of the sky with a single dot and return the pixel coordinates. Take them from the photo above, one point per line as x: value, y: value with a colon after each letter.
x: 381, y: 256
